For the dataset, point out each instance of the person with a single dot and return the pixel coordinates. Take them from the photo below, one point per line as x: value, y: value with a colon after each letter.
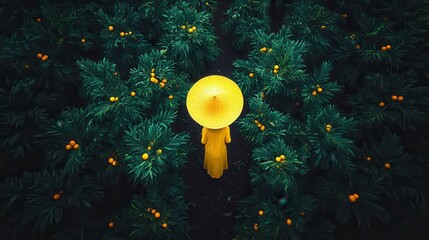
x: 215, y: 155
x: 215, y: 102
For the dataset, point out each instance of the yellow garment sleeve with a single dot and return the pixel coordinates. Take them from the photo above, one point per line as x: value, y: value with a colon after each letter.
x: 204, y: 135
x: 227, y: 135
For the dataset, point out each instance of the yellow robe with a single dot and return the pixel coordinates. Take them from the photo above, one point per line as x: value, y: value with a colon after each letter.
x: 215, y: 156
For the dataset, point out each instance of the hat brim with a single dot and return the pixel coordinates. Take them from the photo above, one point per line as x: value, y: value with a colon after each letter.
x: 215, y: 101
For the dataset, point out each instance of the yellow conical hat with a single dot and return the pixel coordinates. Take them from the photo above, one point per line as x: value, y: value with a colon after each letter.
x: 215, y: 101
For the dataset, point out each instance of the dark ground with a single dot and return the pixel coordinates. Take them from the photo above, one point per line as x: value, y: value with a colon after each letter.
x: 215, y: 200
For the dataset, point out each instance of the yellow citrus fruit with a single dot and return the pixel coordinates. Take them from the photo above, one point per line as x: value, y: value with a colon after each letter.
x: 282, y: 157
x: 262, y: 128
x: 116, y: 98
x: 56, y: 196
x: 319, y: 89
x: 190, y: 30
x: 121, y: 34
x: 278, y: 159
x: 152, y: 74
x: 157, y: 215
x: 114, y: 163
x: 72, y: 142
x: 195, y: 28
x: 323, y: 27
x: 76, y: 146
x: 314, y: 93
x: 387, y: 165
x: 110, y: 28
x: 153, y: 211
x: 276, y: 67
x: 112, y: 99
x: 133, y: 94
x: 183, y: 27
x: 130, y: 32
x: 388, y: 47
x: 261, y: 212
x: 149, y: 148
x: 111, y: 160
x: 164, y: 225
x: 83, y: 40
x: 68, y: 147
x: 170, y: 97
x: 145, y: 156
x: 251, y: 75
x: 159, y: 151
x: 161, y: 84
x: 275, y: 71
x: 255, y: 227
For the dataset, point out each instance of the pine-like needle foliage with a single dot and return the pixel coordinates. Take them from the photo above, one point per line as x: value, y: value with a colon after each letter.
x: 189, y: 37
x: 244, y: 17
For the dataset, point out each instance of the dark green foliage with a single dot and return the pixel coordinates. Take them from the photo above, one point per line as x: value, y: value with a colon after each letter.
x: 314, y: 24
x: 330, y: 147
x: 277, y: 207
x: 166, y: 151
x: 189, y: 47
x: 244, y: 18
x: 275, y: 123
x: 77, y: 125
x: 169, y: 81
x: 169, y: 202
x: 363, y: 50
x: 390, y: 150
x: 51, y: 37
x: 18, y: 121
x: 268, y: 50
x: 380, y: 87
x: 366, y: 207
x: 319, y: 90
x: 37, y: 192
x: 126, y: 41
x: 33, y: 85
x: 269, y: 162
